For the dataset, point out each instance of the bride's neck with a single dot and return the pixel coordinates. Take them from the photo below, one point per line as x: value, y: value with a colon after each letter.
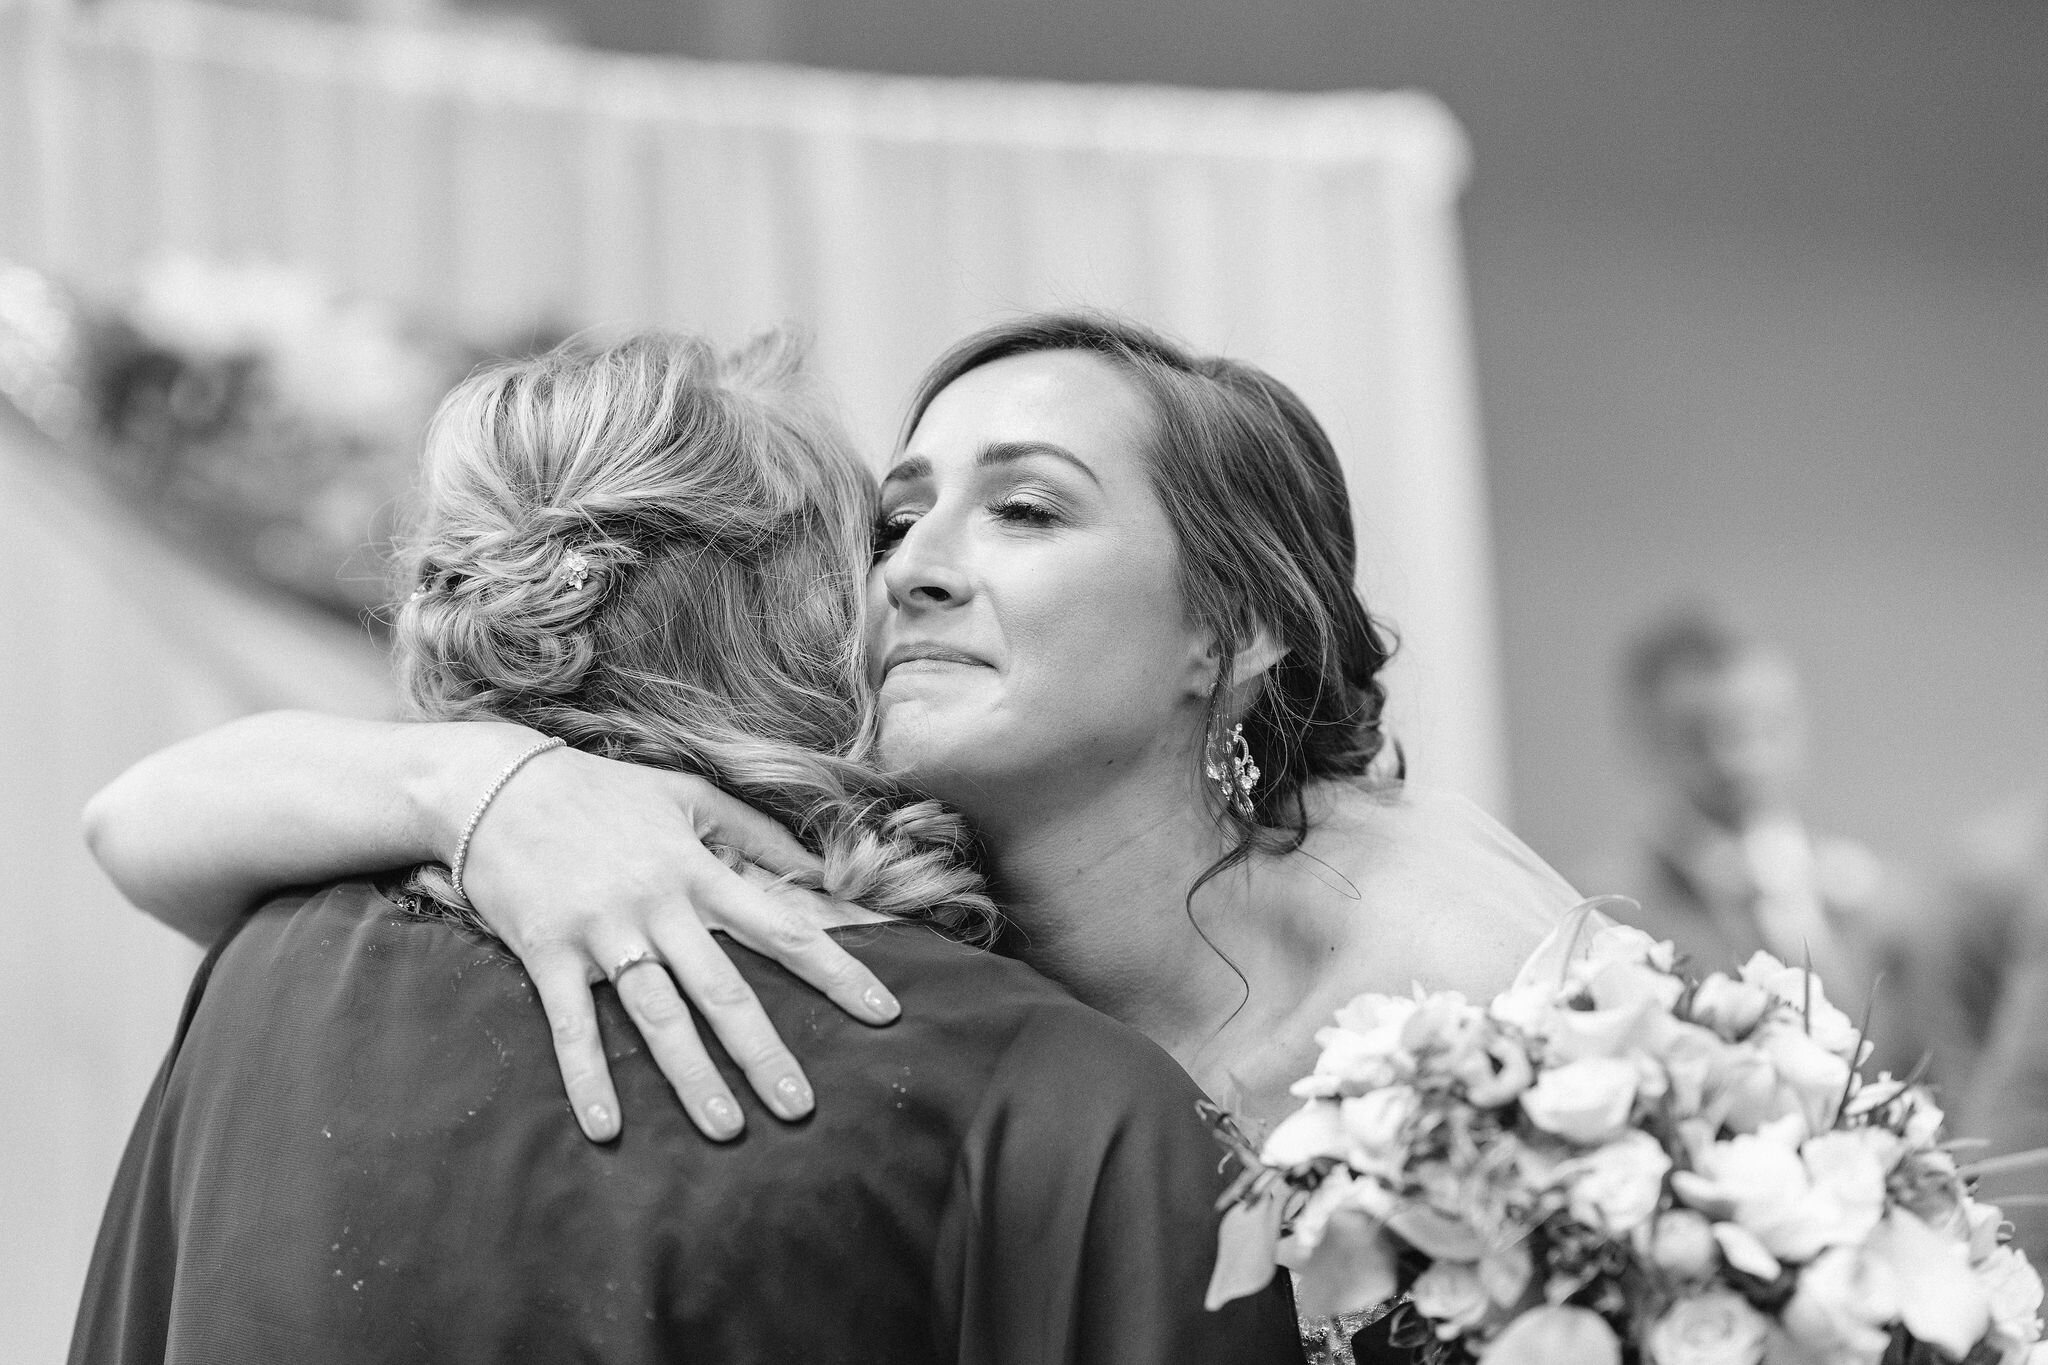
x: 1097, y: 892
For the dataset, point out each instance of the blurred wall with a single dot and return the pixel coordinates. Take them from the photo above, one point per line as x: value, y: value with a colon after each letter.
x: 112, y: 645
x: 1761, y: 298
x: 1848, y: 446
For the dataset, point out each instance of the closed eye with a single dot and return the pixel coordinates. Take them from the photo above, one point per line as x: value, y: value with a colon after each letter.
x: 890, y: 529
x: 1016, y: 511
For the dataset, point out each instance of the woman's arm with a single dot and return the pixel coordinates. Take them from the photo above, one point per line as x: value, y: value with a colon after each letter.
x: 200, y: 832
x: 578, y: 862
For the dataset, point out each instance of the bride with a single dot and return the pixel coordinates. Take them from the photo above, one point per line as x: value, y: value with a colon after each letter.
x: 1111, y: 620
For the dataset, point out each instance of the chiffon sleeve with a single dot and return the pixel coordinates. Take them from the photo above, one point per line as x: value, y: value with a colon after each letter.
x: 1081, y: 1226
x: 1479, y: 858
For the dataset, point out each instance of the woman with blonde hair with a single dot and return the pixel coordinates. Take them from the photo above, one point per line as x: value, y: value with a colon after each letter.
x: 652, y: 557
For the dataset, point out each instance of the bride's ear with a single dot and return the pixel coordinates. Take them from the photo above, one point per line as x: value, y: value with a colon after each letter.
x: 1253, y: 657
x: 1256, y: 656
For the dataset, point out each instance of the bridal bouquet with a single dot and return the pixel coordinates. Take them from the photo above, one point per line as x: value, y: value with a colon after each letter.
x: 1608, y: 1159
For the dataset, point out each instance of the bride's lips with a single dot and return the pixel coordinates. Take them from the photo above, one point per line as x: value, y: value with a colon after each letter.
x: 929, y: 653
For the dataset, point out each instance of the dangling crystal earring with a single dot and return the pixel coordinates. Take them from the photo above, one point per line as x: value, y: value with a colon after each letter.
x: 1229, y: 765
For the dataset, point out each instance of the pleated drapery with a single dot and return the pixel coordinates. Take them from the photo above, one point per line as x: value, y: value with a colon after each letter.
x: 496, y: 183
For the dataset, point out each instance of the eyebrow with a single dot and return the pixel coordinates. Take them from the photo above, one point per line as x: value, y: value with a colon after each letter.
x: 992, y: 456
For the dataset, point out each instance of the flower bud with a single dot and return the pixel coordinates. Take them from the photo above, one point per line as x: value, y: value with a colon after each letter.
x: 1682, y: 1244
x: 1714, y: 1328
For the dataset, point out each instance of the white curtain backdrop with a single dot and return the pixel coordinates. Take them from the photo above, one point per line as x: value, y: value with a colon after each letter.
x: 495, y: 185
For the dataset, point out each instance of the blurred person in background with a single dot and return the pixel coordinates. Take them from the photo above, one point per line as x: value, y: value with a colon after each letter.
x: 355, y: 1150
x: 1723, y: 864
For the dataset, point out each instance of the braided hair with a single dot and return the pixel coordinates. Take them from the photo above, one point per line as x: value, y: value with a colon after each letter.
x: 656, y: 553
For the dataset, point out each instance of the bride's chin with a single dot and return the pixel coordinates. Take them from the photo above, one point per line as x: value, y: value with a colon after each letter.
x: 913, y: 742
x: 924, y: 752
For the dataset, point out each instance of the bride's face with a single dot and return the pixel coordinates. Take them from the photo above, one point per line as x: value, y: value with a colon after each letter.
x: 1028, y: 635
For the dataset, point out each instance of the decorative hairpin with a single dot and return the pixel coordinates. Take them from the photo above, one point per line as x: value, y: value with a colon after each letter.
x: 576, y: 569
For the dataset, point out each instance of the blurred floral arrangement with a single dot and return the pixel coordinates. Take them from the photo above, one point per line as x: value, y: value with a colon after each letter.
x: 260, y: 419
x: 1609, y: 1162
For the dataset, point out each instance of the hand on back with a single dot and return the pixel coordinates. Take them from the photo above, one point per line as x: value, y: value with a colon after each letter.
x: 582, y: 864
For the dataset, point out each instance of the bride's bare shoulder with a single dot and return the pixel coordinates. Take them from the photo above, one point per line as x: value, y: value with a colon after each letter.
x: 1439, y: 892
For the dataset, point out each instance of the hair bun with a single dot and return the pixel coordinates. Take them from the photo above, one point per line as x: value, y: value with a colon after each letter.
x: 659, y: 559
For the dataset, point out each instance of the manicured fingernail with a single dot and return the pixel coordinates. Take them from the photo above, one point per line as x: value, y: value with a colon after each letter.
x: 597, y: 1123
x: 880, y: 1003
x: 792, y: 1098
x: 722, y: 1116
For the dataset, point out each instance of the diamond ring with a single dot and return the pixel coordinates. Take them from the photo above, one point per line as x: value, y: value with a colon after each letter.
x: 632, y: 959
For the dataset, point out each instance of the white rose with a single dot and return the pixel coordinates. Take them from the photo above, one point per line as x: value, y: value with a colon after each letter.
x: 1802, y: 993
x: 1377, y: 1018
x: 1362, y: 1049
x: 1313, y: 1131
x: 1452, y: 1296
x: 1614, y: 942
x: 1354, y: 1059
x: 1587, y: 1101
x: 1615, y: 1189
x: 1375, y: 1126
x: 1841, y: 1308
x: 1747, y: 1171
x: 1817, y: 1077
x: 1729, y: 1007
x: 1574, y: 1035
x: 1824, y: 1216
x: 2014, y: 1290
x: 1624, y: 985
x: 1692, y: 1056
x: 1745, y: 1088
x: 1526, y: 1008
x: 1847, y: 1173
x: 1795, y: 1201
x: 1442, y: 1023
x: 1714, y: 1328
x: 1552, y: 1333
x: 1682, y: 1245
x: 1941, y: 1301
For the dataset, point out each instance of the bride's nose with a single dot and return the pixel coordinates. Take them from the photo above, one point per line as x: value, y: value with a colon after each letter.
x: 924, y: 569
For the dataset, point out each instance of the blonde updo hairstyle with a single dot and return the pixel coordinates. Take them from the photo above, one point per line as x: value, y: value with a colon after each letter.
x: 656, y: 553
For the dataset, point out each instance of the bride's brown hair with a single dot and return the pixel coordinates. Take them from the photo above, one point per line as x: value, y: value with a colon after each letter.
x: 656, y: 553
x: 1257, y: 502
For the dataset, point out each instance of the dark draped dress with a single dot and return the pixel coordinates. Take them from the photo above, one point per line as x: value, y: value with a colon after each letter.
x: 358, y: 1151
